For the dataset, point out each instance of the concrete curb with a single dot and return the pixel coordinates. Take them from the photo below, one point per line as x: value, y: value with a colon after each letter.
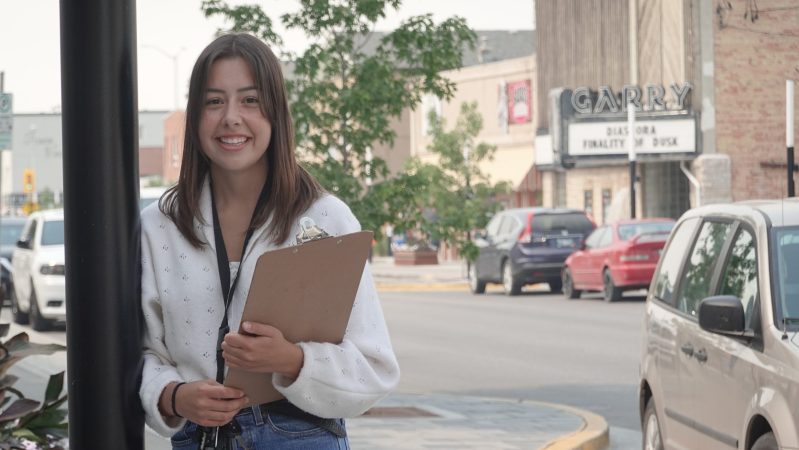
x: 592, y: 436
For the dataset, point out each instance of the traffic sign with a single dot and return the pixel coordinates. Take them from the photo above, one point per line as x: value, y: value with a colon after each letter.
x: 6, y: 120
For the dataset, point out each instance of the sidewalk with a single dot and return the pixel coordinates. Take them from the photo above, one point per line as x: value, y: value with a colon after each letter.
x: 419, y: 422
x: 445, y: 276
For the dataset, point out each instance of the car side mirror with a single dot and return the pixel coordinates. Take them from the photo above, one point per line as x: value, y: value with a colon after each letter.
x: 480, y: 235
x: 723, y: 314
x: 23, y: 244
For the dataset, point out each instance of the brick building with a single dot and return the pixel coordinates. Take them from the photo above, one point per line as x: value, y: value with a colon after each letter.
x: 715, y: 130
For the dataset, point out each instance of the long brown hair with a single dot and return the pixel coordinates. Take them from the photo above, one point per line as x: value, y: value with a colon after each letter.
x: 291, y: 189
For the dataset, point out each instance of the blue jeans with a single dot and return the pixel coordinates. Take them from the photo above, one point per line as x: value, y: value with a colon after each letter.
x: 270, y: 432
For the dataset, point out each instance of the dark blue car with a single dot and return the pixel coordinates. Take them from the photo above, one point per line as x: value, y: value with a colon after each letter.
x: 527, y: 245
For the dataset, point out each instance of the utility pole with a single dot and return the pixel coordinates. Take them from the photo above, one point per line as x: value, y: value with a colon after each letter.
x: 633, y: 43
x: 789, y: 135
x: 101, y: 223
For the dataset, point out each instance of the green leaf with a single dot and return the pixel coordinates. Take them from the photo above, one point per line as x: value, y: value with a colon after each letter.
x: 19, y: 408
x: 27, y: 434
x: 47, y: 419
x: 54, y: 387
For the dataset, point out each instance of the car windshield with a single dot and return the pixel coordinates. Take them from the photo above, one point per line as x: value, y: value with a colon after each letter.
x: 10, y: 232
x: 561, y: 224
x: 628, y: 230
x: 53, y: 232
x: 786, y: 258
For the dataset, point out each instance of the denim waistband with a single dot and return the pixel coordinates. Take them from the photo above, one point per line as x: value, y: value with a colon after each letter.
x: 286, y: 408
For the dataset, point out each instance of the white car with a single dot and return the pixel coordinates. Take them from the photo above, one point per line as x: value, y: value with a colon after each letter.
x: 39, y: 293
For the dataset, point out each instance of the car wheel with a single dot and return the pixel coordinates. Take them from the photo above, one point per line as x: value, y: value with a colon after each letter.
x: 510, y: 284
x: 568, y: 285
x: 475, y: 284
x: 20, y: 317
x: 610, y: 291
x: 38, y: 322
x: 766, y: 442
x: 653, y: 440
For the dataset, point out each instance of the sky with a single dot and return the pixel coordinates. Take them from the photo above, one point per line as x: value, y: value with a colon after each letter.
x: 172, y: 33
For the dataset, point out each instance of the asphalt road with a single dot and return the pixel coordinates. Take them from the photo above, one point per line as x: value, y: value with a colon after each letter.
x: 536, y: 346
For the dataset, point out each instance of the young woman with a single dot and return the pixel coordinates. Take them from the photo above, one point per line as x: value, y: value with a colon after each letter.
x: 241, y: 193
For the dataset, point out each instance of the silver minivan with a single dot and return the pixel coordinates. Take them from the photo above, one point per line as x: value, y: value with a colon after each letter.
x: 720, y: 357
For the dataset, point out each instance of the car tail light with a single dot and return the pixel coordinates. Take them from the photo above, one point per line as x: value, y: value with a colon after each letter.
x: 629, y: 257
x: 526, y: 236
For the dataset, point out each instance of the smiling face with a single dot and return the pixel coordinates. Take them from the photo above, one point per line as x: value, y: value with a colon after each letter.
x: 233, y: 131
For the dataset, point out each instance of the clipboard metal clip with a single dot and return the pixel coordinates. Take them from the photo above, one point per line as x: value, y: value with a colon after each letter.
x: 309, y: 231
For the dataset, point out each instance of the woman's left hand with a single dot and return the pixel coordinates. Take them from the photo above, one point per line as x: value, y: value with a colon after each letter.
x: 262, y: 349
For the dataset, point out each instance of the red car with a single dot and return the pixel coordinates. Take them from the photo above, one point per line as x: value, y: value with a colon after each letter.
x: 616, y: 257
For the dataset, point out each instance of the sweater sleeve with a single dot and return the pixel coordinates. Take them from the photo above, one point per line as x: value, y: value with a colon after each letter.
x: 346, y: 379
x: 159, y: 370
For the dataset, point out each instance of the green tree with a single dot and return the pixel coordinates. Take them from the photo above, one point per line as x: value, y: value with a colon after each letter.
x: 460, y: 196
x: 343, y: 97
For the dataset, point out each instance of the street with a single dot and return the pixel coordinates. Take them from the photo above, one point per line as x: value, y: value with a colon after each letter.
x: 537, y: 346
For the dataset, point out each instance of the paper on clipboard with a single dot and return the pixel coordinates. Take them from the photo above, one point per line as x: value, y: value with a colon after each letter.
x: 307, y: 292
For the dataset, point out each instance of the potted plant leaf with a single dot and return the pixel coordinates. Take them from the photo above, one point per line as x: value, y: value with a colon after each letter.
x: 28, y: 424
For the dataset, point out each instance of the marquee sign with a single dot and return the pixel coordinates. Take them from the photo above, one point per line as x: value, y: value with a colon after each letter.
x: 651, y: 136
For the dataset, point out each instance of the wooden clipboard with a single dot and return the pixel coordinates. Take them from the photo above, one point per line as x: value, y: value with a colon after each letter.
x: 307, y: 292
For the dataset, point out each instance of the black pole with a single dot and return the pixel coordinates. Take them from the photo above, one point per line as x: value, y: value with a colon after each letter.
x: 100, y: 140
x: 632, y: 189
x: 791, y: 167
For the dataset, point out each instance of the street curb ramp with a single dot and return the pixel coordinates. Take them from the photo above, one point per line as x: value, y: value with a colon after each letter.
x: 592, y: 436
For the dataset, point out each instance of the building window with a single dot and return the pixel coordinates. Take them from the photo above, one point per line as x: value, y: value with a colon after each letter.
x: 588, y: 202
x: 606, y: 197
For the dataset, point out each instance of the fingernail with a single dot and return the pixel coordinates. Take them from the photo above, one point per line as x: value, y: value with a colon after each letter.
x: 246, y: 326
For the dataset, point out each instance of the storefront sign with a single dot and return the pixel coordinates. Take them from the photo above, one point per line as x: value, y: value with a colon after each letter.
x: 584, y: 101
x: 651, y: 136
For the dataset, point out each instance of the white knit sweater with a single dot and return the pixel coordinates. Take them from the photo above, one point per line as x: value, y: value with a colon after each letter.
x: 183, y: 307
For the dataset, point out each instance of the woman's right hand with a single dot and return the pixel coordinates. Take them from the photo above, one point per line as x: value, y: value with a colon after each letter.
x: 205, y: 402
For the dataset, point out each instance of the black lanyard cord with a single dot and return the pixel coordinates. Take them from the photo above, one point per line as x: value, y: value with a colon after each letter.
x: 223, y: 263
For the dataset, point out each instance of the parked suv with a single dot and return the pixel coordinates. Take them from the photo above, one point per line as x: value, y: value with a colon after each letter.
x: 39, y: 293
x: 720, y: 360
x: 527, y: 245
